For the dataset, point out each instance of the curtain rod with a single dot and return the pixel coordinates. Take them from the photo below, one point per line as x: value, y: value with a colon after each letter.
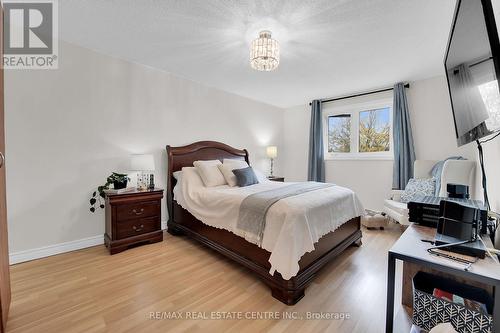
x: 456, y: 71
x: 480, y: 62
x: 407, y: 85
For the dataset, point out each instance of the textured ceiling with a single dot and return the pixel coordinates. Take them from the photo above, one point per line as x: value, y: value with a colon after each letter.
x: 328, y: 47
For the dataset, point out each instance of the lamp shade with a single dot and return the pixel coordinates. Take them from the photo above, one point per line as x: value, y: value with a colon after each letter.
x: 142, y: 162
x: 265, y: 52
x: 272, y: 151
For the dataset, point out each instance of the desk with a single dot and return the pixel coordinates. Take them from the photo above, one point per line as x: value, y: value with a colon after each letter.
x: 410, y: 248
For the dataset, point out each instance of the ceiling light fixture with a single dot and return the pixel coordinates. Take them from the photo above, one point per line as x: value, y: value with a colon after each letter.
x: 264, y: 52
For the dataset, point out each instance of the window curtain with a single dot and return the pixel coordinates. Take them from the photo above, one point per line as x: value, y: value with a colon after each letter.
x: 404, y: 152
x: 316, y: 161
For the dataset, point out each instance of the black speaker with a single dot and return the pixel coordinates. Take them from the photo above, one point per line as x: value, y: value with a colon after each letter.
x: 458, y: 191
x: 459, y: 224
x: 458, y: 220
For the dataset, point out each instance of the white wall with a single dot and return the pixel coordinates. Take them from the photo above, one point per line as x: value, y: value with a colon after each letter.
x: 433, y: 126
x: 434, y: 137
x: 67, y: 129
x: 432, y: 121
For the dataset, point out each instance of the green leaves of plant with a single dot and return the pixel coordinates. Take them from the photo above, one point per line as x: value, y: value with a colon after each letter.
x: 118, y: 177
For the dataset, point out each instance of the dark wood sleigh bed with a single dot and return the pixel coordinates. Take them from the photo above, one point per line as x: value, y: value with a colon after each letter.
x: 181, y: 222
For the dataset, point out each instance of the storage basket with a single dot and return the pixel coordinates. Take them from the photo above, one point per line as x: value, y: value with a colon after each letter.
x: 429, y: 311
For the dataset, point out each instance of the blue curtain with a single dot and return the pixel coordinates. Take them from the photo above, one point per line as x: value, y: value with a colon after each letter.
x: 404, y: 152
x: 316, y: 165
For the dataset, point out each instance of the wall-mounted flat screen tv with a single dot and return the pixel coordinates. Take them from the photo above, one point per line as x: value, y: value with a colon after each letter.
x: 472, y: 69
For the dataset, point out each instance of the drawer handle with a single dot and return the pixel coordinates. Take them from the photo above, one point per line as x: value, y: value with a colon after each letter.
x: 138, y: 212
x: 138, y: 229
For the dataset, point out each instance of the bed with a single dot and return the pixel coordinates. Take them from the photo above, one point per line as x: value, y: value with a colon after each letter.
x: 248, y: 254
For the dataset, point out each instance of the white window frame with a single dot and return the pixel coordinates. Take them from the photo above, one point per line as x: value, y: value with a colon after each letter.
x: 354, y: 110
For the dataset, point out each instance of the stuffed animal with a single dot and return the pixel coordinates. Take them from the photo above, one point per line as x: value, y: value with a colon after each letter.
x: 374, y: 220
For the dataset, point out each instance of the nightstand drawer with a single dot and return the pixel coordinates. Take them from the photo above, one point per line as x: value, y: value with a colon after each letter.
x: 133, y: 218
x: 139, y: 210
x: 136, y: 227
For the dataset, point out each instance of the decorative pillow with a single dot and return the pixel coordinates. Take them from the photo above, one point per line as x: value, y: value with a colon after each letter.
x: 418, y: 187
x: 227, y: 169
x: 245, y: 177
x: 210, y: 173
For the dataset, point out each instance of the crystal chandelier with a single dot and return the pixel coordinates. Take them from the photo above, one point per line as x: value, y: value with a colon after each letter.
x: 264, y: 52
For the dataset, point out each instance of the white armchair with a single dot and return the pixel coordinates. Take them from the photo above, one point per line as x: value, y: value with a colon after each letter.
x: 454, y: 171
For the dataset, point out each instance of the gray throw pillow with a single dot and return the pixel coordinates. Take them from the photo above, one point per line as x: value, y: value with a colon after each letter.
x: 245, y: 177
x: 418, y: 187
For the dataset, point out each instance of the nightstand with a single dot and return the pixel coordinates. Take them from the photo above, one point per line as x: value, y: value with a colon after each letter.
x: 133, y: 218
x: 276, y: 179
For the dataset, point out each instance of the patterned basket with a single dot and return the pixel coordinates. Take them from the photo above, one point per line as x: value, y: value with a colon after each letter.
x: 429, y: 311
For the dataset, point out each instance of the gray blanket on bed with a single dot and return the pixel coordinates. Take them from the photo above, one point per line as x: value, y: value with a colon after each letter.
x: 254, y: 208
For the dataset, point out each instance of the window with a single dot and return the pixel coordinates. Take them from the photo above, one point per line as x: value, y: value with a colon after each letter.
x: 359, y: 131
x: 339, y: 133
x: 374, y: 130
x: 491, y: 99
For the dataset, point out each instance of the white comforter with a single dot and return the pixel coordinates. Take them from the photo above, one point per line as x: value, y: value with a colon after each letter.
x: 293, y: 224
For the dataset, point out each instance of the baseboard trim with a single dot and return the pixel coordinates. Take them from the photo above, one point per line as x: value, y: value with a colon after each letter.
x: 50, y: 250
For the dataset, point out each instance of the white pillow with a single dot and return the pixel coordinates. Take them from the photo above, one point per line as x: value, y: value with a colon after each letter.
x: 177, y: 175
x: 178, y: 196
x: 210, y: 173
x: 227, y: 169
x: 191, y: 178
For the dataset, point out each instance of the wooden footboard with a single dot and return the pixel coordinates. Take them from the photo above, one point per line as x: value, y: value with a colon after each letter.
x: 237, y: 248
x: 257, y: 259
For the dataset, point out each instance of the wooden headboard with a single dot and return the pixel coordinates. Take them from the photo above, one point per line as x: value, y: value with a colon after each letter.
x: 179, y: 157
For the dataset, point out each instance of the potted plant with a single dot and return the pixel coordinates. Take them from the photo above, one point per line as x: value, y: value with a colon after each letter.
x: 118, y: 180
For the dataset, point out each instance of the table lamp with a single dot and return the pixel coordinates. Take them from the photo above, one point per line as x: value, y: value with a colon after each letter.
x: 144, y: 165
x: 272, y: 152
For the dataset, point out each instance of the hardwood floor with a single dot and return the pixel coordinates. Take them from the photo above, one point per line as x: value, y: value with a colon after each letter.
x: 91, y: 291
